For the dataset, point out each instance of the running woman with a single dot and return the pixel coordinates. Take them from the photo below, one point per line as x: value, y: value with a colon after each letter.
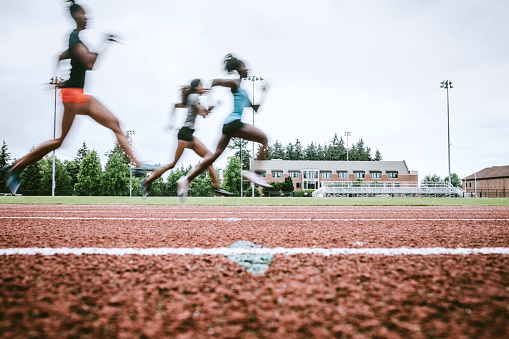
x: 190, y: 100
x: 76, y: 103
x: 233, y: 126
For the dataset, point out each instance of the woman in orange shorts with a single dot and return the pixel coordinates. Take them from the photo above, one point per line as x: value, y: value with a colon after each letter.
x: 76, y: 103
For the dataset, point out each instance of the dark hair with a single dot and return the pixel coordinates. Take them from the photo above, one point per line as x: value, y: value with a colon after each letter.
x: 74, y: 7
x: 231, y: 63
x: 189, y: 89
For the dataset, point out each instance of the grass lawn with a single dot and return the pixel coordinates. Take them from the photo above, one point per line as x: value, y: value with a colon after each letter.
x: 236, y: 201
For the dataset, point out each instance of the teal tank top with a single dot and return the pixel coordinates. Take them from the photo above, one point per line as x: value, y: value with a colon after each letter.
x: 240, y: 100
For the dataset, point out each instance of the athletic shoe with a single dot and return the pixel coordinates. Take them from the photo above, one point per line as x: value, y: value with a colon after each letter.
x: 223, y: 192
x: 11, y: 179
x: 182, y: 188
x: 144, y: 188
x: 142, y: 169
x: 255, y: 178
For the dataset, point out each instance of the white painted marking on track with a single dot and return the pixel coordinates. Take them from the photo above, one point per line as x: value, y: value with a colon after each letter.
x: 255, y: 219
x: 277, y: 250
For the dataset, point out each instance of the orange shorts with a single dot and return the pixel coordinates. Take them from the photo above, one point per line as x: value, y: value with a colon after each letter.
x: 74, y: 95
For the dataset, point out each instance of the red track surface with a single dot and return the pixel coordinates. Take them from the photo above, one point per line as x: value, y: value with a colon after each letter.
x: 299, y: 296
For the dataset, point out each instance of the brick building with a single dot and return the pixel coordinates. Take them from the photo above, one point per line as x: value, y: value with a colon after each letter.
x: 310, y: 175
x: 489, y: 182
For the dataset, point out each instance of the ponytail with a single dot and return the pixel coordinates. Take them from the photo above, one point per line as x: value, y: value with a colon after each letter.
x: 188, y: 90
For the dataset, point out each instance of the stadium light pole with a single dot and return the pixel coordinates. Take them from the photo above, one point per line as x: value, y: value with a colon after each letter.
x: 55, y: 81
x: 347, y: 134
x: 130, y: 134
x: 448, y: 84
x: 253, y: 79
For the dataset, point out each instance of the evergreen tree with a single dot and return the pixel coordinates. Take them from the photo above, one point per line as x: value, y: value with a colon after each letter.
x: 378, y: 156
x: 320, y: 153
x: 289, y: 153
x: 232, y: 176
x: 89, y: 177
x: 5, y: 156
x: 30, y: 179
x: 115, y: 179
x: 298, y: 152
x: 287, y: 185
x: 311, y: 152
x: 278, y: 152
x: 62, y: 178
x: 82, y: 152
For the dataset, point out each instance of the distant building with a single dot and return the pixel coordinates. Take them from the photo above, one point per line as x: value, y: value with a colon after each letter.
x: 489, y: 182
x: 311, y: 175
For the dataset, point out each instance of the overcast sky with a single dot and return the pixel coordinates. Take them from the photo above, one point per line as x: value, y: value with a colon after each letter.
x: 369, y: 67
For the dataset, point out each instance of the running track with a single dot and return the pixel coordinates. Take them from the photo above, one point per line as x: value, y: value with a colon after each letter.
x: 336, y: 271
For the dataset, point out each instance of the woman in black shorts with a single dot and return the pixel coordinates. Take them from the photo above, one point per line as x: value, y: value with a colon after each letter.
x: 186, y: 139
x: 233, y: 126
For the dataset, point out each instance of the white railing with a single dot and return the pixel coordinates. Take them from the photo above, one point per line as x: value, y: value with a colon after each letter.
x: 387, y: 189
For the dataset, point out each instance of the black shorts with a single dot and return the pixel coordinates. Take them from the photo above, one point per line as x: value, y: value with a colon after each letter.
x: 232, y: 127
x: 186, y: 134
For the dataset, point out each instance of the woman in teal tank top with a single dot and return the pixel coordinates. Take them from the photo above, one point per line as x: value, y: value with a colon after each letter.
x: 233, y: 126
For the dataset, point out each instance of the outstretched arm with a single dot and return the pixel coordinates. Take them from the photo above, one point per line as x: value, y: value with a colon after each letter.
x: 226, y: 83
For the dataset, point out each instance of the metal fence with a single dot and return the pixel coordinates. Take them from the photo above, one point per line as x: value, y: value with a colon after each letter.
x: 489, y: 193
x: 387, y: 189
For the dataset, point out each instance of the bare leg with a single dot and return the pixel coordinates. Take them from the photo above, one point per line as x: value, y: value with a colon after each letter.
x: 209, y: 159
x: 103, y: 116
x: 203, y: 152
x: 251, y: 133
x: 37, y: 154
x: 181, y: 146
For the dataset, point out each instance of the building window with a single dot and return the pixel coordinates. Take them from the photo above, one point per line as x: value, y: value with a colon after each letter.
x: 294, y: 174
x: 359, y: 174
x: 326, y: 175
x: 376, y: 175
x: 396, y: 184
x: 392, y: 175
x: 261, y: 173
x: 470, y: 184
x: 342, y: 175
x: 297, y: 185
x: 277, y: 174
x: 310, y: 174
x: 310, y: 185
x: 389, y: 184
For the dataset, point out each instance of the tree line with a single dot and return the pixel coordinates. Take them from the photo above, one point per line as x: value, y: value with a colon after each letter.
x: 84, y: 175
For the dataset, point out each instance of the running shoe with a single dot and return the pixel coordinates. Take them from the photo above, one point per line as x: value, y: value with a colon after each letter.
x: 223, y: 192
x: 248, y: 175
x: 144, y: 188
x: 11, y: 179
x: 142, y: 169
x: 182, y: 188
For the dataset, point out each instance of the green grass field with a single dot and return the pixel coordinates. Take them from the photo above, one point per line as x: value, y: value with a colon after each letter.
x: 287, y: 201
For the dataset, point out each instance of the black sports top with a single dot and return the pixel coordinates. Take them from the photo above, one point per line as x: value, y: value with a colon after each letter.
x: 78, y: 69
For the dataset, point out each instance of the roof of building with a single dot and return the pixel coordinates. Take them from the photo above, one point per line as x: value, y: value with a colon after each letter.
x: 490, y: 172
x: 333, y: 166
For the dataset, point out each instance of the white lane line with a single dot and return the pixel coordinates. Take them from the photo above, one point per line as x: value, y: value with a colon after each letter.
x: 256, y: 219
x: 277, y: 250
